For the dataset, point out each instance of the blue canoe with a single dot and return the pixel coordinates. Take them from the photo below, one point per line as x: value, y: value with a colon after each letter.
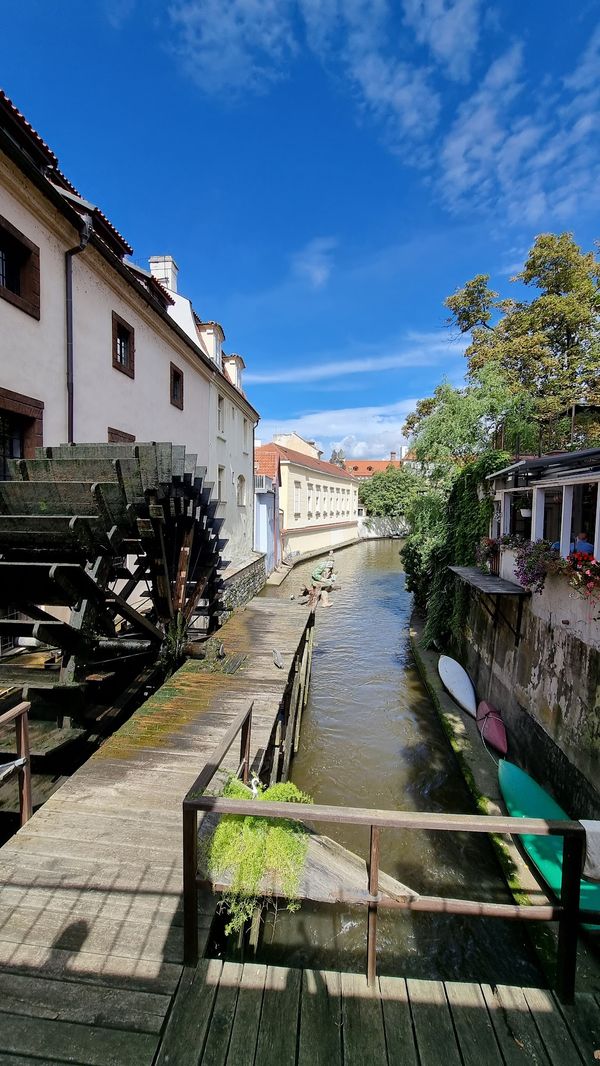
x: 524, y: 798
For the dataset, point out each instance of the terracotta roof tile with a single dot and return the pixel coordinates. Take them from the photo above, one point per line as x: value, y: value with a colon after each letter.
x: 266, y: 461
x: 368, y: 467
x: 289, y: 455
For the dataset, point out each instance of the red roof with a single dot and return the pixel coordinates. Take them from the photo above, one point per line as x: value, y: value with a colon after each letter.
x: 291, y: 456
x: 368, y: 467
x: 266, y: 461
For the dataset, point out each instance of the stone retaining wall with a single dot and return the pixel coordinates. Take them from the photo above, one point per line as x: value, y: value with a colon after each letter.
x: 240, y: 586
x: 548, y: 689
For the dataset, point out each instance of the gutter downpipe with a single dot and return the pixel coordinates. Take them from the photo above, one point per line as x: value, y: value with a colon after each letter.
x: 69, y: 256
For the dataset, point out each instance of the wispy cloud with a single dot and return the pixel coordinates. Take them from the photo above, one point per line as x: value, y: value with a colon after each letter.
x: 233, y: 45
x: 450, y: 29
x: 417, y: 350
x: 359, y: 431
x: 531, y: 157
x: 526, y: 149
x: 314, y: 262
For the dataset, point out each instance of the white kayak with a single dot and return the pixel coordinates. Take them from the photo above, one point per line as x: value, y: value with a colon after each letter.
x: 458, y: 683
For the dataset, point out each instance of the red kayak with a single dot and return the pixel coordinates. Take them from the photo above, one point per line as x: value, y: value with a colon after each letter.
x: 491, y: 727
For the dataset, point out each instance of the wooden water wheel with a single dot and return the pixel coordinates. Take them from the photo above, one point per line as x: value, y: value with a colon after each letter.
x: 109, y: 555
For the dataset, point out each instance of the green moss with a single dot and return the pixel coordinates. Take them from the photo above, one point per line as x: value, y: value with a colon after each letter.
x: 247, y: 850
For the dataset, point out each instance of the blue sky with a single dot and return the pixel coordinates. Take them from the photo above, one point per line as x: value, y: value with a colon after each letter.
x: 325, y: 172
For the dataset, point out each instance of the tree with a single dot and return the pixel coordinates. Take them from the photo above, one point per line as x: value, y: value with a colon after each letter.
x: 387, y: 493
x: 337, y: 457
x: 546, y: 350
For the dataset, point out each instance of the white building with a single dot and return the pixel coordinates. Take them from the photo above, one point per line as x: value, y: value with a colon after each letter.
x: 93, y: 348
x: 318, y: 500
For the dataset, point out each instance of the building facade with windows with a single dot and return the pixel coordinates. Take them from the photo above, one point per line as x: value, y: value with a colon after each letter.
x: 94, y: 348
x: 318, y: 500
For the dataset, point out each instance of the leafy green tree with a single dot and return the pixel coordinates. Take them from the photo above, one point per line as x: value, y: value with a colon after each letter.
x: 388, y: 492
x: 547, y: 349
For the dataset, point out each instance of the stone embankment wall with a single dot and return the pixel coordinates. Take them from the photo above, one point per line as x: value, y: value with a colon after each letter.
x: 371, y: 527
x: 548, y: 688
x: 241, y: 584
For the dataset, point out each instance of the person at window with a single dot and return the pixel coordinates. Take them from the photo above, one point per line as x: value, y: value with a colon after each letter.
x: 582, y: 544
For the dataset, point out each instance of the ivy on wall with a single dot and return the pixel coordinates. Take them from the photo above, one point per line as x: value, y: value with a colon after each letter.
x: 449, y: 535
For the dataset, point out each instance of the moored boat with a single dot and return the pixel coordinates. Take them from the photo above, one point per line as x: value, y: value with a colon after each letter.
x: 524, y: 798
x: 458, y: 683
x: 491, y: 727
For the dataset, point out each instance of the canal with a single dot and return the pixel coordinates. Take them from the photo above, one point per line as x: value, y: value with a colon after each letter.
x: 371, y: 738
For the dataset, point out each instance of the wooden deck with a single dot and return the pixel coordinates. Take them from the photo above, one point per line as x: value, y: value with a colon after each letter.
x: 488, y: 583
x: 90, y: 893
x: 252, y: 1015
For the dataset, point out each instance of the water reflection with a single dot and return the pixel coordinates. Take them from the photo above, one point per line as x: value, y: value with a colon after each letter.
x: 370, y: 738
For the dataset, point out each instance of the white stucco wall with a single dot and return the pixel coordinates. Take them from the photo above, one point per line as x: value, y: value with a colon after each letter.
x: 33, y: 362
x: 310, y: 528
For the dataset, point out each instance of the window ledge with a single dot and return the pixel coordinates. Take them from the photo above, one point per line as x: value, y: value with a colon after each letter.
x: 28, y: 306
x: 221, y: 437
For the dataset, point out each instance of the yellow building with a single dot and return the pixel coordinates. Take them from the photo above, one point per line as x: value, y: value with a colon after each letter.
x: 318, y: 500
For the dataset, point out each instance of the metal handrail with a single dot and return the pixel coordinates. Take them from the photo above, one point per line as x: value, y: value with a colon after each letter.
x: 566, y: 913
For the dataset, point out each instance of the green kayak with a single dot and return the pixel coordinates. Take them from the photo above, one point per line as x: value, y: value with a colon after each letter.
x: 524, y: 798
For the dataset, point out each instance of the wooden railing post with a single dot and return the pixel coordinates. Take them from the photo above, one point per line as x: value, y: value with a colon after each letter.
x: 566, y: 962
x: 22, y: 731
x: 372, y: 916
x: 190, y: 886
x: 246, y: 734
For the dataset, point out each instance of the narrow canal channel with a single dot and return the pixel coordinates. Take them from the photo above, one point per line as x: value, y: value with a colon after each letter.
x: 371, y: 738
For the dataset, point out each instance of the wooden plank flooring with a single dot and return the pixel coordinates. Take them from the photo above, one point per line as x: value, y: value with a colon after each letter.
x: 253, y: 1015
x: 90, y: 889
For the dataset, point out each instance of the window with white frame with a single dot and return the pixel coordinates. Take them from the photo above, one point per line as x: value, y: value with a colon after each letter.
x: 221, y: 483
x: 317, y: 499
x: 297, y: 497
x: 241, y: 491
x: 245, y: 436
x: 309, y: 497
x: 220, y: 415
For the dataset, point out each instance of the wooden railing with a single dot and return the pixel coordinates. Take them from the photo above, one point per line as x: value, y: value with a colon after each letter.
x: 21, y: 765
x: 566, y: 911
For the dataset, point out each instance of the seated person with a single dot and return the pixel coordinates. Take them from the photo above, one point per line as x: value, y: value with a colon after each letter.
x: 582, y: 544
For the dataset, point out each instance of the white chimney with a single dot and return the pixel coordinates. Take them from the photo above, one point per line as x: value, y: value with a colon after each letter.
x: 404, y: 451
x: 164, y: 269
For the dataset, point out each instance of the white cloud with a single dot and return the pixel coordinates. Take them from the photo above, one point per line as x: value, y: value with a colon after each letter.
x: 314, y: 262
x: 361, y: 431
x: 450, y: 28
x: 532, y: 164
x: 233, y: 45
x: 417, y: 350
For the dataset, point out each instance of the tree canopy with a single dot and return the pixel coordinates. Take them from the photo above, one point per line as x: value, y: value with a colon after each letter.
x: 529, y: 361
x: 388, y: 492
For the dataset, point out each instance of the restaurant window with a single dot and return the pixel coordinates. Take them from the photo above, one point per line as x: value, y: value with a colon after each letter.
x: 176, y: 387
x: 19, y: 269
x: 123, y: 346
x: 520, y: 514
x: 583, y: 516
x: 553, y: 500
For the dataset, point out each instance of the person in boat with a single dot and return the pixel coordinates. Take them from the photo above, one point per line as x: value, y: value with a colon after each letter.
x: 323, y: 578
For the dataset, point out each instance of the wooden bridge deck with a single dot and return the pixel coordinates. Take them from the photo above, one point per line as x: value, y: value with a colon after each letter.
x: 90, y: 889
x: 253, y: 1015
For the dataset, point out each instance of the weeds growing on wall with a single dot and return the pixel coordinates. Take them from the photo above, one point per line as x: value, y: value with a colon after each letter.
x: 248, y: 850
x: 447, y: 532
